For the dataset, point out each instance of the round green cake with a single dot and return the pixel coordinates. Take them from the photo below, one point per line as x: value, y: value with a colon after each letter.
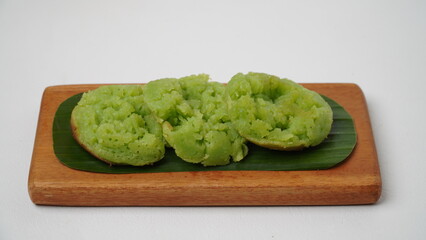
x: 277, y: 113
x: 114, y: 124
x: 195, y: 121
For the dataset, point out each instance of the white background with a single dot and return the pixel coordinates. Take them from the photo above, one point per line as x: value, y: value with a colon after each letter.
x: 380, y: 45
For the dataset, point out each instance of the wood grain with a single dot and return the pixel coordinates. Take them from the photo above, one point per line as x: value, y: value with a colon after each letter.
x: 356, y: 181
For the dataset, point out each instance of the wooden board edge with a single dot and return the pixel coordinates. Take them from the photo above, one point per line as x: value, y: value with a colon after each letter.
x: 366, y: 193
x: 378, y: 182
x: 32, y: 179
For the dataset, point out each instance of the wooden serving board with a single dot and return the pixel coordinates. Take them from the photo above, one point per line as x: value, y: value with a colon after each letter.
x: 355, y: 181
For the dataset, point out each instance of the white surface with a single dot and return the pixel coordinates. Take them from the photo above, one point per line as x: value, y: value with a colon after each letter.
x: 380, y: 45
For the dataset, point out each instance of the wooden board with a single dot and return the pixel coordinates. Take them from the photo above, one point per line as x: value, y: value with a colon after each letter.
x: 355, y: 181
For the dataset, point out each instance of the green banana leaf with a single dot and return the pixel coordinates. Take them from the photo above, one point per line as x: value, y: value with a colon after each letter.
x: 336, y: 148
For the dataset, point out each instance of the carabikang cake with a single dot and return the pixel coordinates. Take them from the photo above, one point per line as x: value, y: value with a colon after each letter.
x: 277, y: 113
x: 195, y: 121
x: 114, y: 124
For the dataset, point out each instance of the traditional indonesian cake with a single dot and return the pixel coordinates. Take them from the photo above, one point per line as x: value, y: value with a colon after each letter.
x: 114, y: 124
x: 205, y: 122
x: 195, y: 120
x: 277, y: 113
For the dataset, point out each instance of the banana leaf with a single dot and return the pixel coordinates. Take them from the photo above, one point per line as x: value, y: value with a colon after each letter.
x: 335, y: 149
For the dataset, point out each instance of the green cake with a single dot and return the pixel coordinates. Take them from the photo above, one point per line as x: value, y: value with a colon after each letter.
x: 277, y: 113
x: 114, y: 124
x: 195, y: 121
